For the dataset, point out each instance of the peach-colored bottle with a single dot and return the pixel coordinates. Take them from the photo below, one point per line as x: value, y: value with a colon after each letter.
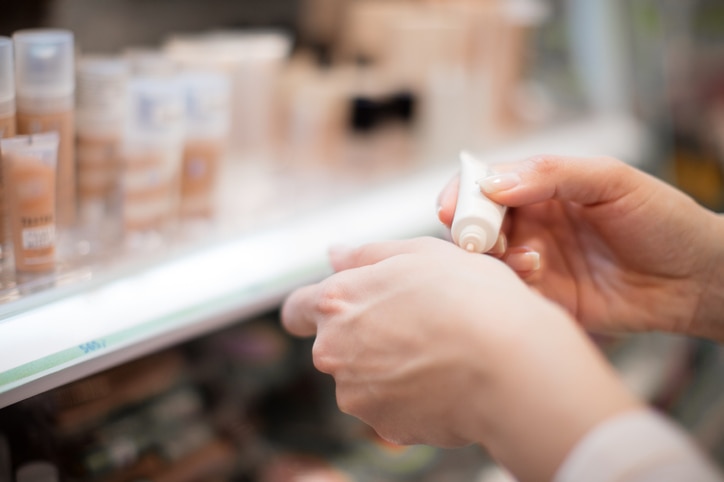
x: 151, y: 155
x: 207, y: 113
x: 100, y: 113
x: 30, y: 172
x: 7, y: 125
x: 45, y: 83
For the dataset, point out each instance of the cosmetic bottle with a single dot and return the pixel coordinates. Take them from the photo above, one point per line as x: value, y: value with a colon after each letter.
x: 256, y: 58
x: 7, y: 124
x: 314, y: 114
x: 45, y: 84
x: 207, y: 114
x: 30, y: 174
x: 477, y: 220
x: 151, y: 155
x: 100, y: 111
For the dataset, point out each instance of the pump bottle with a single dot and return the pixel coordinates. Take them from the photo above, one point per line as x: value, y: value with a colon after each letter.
x: 45, y: 86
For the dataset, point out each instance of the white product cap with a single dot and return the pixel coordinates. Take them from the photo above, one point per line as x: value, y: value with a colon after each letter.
x: 44, y: 66
x: 473, y: 238
x: 37, y: 472
x: 7, y: 82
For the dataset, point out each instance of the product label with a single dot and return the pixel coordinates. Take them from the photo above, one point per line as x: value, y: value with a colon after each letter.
x: 149, y: 191
x: 98, y: 167
x: 7, y: 127
x: 41, y: 237
x: 154, y: 112
x: 200, y: 171
x: 30, y: 189
x: 63, y: 124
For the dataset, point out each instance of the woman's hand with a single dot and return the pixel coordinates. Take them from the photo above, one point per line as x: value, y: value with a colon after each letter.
x: 620, y: 249
x: 431, y: 344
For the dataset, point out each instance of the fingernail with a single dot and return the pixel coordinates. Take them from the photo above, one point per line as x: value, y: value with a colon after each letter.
x: 499, y: 182
x: 521, y: 262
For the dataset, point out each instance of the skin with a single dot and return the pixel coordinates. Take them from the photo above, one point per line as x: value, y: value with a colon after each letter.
x: 430, y: 344
x: 458, y: 353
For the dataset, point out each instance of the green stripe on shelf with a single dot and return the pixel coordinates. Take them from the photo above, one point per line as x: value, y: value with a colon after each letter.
x: 30, y: 371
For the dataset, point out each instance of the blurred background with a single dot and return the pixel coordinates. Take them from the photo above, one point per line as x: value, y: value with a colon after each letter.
x: 314, y: 100
x: 660, y: 60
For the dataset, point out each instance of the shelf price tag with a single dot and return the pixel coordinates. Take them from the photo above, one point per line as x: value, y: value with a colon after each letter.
x: 92, y: 346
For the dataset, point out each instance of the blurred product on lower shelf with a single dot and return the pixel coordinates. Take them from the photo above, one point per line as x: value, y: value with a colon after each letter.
x: 246, y: 404
x: 6, y: 468
x: 37, y: 472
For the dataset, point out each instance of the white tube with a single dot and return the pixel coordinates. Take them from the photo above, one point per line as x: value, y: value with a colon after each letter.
x: 477, y: 221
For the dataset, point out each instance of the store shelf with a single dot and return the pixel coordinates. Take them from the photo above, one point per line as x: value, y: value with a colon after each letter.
x: 110, y: 321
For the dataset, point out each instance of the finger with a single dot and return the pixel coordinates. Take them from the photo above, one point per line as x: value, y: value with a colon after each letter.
x: 507, y: 222
x: 576, y: 179
x: 523, y: 260
x: 343, y: 258
x: 447, y: 201
x: 299, y: 311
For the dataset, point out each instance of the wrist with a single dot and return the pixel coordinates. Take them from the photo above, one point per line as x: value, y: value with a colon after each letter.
x: 557, y: 389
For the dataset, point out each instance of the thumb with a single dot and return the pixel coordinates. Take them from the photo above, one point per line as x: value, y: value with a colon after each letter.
x: 577, y: 179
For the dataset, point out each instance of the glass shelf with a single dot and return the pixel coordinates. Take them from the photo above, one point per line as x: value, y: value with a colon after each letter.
x: 98, y: 318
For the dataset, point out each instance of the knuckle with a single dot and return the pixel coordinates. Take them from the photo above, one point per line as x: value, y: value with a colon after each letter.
x: 611, y: 166
x: 331, y: 299
x: 543, y: 164
x: 322, y: 358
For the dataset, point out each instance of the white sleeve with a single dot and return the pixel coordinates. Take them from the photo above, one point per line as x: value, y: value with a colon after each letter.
x: 640, y: 446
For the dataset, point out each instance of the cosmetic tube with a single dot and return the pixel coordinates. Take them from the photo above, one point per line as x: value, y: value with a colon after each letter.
x: 45, y: 84
x: 100, y: 111
x: 256, y: 59
x: 151, y: 154
x: 207, y: 113
x: 30, y: 172
x: 477, y: 220
x: 7, y: 124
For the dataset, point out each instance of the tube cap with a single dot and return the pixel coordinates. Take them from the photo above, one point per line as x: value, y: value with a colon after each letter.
x: 7, y: 83
x: 44, y: 63
x: 474, y: 239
